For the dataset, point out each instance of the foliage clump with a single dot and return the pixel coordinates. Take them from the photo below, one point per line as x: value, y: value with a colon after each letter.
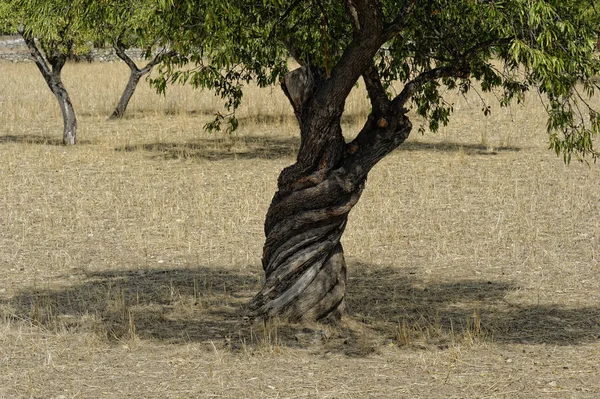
x: 507, y: 46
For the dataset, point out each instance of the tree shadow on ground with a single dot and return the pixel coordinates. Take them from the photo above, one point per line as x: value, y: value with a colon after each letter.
x: 36, y: 139
x: 467, y: 149
x: 384, y: 306
x: 387, y: 299
x: 244, y: 147
x: 196, y: 304
x: 252, y: 147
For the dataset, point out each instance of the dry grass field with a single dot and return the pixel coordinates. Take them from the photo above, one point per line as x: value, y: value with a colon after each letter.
x: 127, y: 260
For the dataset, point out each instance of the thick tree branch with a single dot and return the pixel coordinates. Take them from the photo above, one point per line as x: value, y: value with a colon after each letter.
x: 377, y: 94
x: 414, y: 85
x: 120, y: 51
x: 322, y: 143
x: 368, y: 21
x: 387, y: 126
x: 373, y: 143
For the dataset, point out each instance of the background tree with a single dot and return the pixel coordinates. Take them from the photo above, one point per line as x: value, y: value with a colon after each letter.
x: 508, y: 46
x: 53, y: 32
x: 129, y: 24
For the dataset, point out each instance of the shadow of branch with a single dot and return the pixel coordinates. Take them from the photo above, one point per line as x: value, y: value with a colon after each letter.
x: 252, y: 147
x: 245, y: 147
x: 388, y: 298
x: 35, y: 139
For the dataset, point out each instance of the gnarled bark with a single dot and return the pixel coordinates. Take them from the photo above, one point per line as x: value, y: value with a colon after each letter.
x: 303, y: 259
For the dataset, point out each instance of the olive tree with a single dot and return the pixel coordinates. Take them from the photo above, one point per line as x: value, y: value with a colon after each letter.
x: 426, y: 47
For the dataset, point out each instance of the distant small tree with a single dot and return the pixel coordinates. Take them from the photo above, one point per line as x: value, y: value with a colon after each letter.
x: 427, y: 47
x: 53, y: 32
x: 135, y: 74
x: 126, y: 24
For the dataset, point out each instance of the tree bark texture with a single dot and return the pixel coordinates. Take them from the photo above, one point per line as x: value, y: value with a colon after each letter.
x: 51, y: 71
x: 303, y: 259
x: 134, y: 78
x: 68, y: 113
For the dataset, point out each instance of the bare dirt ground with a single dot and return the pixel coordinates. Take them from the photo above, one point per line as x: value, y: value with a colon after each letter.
x: 127, y: 260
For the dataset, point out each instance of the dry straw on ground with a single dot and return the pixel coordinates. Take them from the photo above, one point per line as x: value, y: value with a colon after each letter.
x: 126, y: 261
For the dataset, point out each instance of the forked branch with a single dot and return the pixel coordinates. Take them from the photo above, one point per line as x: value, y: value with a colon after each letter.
x: 120, y: 51
x: 368, y: 21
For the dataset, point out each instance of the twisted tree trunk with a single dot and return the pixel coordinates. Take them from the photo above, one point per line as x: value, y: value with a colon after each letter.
x: 303, y: 259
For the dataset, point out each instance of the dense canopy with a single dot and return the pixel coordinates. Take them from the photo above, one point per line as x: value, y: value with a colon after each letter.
x: 510, y: 46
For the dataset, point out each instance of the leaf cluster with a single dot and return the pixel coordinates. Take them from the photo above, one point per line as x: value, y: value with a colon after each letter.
x: 127, y: 23
x: 59, y: 26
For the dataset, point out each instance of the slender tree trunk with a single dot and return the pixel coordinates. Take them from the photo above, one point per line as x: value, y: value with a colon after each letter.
x: 134, y: 78
x: 68, y: 113
x: 51, y: 71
